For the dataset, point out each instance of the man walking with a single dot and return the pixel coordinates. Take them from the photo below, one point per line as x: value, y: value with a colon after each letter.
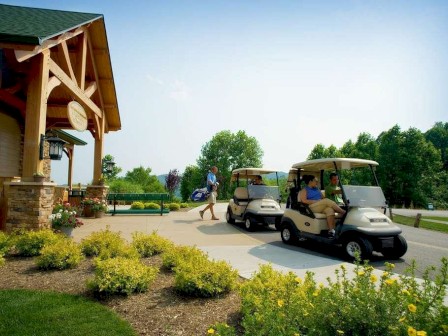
x: 212, y: 187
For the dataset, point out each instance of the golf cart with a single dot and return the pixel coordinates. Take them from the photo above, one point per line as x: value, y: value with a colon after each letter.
x: 254, y: 204
x: 363, y: 229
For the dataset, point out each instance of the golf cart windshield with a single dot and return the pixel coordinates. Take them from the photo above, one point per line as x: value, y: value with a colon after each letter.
x: 262, y: 191
x: 364, y: 196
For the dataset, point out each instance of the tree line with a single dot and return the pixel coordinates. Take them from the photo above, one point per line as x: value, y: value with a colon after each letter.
x: 412, y: 171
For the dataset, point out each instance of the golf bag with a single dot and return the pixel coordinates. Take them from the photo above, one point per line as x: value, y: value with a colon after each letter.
x: 199, y: 195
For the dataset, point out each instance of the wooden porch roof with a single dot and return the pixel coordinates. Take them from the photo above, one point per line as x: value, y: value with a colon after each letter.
x: 25, y: 32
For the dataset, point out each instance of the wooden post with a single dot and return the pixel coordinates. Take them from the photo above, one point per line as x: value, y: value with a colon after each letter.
x: 36, y: 114
x: 391, y: 216
x: 417, y: 220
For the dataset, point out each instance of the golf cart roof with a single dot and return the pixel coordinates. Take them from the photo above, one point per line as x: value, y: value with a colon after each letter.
x: 250, y: 173
x: 331, y: 163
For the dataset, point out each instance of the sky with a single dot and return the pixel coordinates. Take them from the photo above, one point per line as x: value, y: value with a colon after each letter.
x: 292, y: 74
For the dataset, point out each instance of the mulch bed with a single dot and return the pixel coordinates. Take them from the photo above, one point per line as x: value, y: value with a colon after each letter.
x: 160, y: 311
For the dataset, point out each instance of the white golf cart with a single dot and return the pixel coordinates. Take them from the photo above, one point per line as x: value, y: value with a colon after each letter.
x: 254, y: 204
x: 363, y: 229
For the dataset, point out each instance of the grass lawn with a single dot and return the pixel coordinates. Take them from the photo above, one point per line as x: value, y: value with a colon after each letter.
x: 423, y: 223
x: 445, y: 219
x: 25, y: 312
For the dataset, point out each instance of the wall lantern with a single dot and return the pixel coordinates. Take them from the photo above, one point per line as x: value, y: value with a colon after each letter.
x: 108, y: 166
x: 56, y: 147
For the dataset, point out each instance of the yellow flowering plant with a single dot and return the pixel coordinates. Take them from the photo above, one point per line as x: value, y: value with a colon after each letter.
x: 364, y: 303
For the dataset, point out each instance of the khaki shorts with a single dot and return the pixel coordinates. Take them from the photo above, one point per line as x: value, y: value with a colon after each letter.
x: 212, y: 197
x: 325, y: 206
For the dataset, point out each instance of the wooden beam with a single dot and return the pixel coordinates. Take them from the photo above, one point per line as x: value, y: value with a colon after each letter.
x: 74, y: 89
x: 23, y: 55
x: 81, y: 61
x: 66, y: 61
x: 52, y: 83
x: 91, y: 88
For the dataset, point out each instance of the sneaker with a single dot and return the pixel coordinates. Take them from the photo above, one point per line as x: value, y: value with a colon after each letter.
x: 331, y: 234
x: 201, y: 213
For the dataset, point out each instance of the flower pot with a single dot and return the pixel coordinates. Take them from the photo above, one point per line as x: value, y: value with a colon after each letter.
x: 88, y: 211
x: 38, y: 178
x: 99, y: 214
x: 67, y: 230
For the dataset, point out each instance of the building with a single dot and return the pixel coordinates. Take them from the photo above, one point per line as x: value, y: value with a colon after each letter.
x: 55, y: 74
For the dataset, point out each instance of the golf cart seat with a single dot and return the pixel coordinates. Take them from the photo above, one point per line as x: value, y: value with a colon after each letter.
x: 305, y: 210
x: 241, y: 196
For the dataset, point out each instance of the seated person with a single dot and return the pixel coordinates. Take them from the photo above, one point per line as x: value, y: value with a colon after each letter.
x: 312, y: 196
x: 258, y: 180
x: 332, y: 190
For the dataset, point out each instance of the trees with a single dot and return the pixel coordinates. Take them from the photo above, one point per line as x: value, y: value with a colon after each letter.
x: 438, y: 135
x: 191, y: 180
x: 229, y: 151
x: 172, y: 181
x: 142, y: 176
x: 115, y: 171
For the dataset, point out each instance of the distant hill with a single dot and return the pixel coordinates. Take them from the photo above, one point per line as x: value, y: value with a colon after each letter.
x: 272, y: 176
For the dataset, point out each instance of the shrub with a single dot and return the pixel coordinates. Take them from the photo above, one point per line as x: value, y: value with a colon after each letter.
x: 152, y: 205
x: 5, y: 243
x: 221, y: 329
x: 148, y: 245
x: 204, y: 278
x: 174, y: 256
x: 184, y: 205
x: 121, y: 276
x: 107, y: 244
x: 174, y: 206
x: 30, y: 243
x: 137, y: 205
x: 283, y: 304
x: 63, y: 254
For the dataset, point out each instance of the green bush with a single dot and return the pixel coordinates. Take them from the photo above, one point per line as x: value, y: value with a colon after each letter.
x: 30, y: 243
x: 148, y: 245
x: 64, y: 253
x: 2, y: 260
x: 204, y: 278
x: 152, y: 205
x: 121, y: 276
x: 178, y: 254
x: 138, y: 205
x: 5, y: 243
x: 107, y: 244
x: 174, y: 206
x: 184, y: 205
x: 283, y: 304
x: 123, y: 186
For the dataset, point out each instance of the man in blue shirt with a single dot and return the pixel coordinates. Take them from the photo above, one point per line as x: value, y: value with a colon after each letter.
x: 212, y: 186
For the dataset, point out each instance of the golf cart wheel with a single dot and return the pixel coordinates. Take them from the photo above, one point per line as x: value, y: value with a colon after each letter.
x: 229, y: 218
x: 399, y: 249
x: 358, y: 246
x: 248, y: 224
x: 287, y: 234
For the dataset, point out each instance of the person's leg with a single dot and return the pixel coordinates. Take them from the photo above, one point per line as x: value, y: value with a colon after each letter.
x: 329, y: 203
x: 212, y: 210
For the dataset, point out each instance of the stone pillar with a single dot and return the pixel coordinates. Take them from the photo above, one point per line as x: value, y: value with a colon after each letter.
x: 29, y: 205
x: 97, y: 191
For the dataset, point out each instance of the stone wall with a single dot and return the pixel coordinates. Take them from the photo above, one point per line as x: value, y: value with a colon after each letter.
x: 29, y: 205
x: 97, y: 191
